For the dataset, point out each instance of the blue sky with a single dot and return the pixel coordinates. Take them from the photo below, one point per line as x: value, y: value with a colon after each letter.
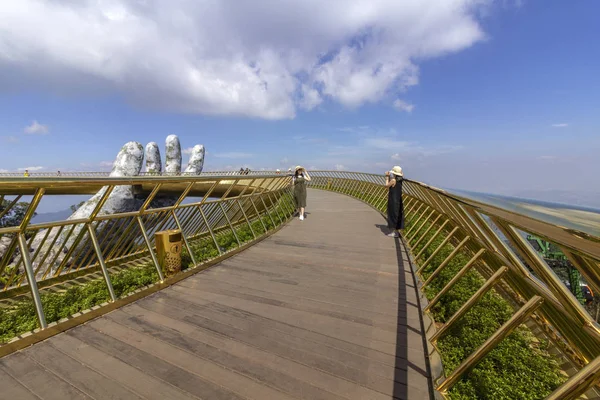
x: 500, y: 96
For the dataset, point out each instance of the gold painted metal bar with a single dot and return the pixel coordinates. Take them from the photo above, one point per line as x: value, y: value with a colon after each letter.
x: 424, y: 234
x: 75, y: 245
x: 35, y: 201
x: 410, y: 236
x: 506, y: 329
x: 469, y: 303
x: 149, y: 245
x: 229, y: 189
x: 105, y: 273
x: 210, y: 231
x: 432, y: 239
x: 267, y: 210
x: 579, y: 383
x: 183, y: 195
x: 258, y: 215
x: 454, y: 279
x: 237, y: 239
x: 421, y: 215
x: 35, y: 293
x: 445, y: 262
x: 149, y: 199
x: 437, y: 250
x: 207, y: 194
x: 185, y: 241
x: 537, y: 263
x: 247, y: 220
x: 274, y: 207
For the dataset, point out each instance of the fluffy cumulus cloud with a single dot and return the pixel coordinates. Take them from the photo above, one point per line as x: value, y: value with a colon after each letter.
x: 35, y: 128
x: 263, y: 58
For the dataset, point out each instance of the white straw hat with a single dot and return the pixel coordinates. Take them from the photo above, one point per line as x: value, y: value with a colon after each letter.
x: 397, y: 171
x: 298, y: 167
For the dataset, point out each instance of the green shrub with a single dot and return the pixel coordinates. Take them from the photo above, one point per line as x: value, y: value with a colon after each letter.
x: 520, y: 367
x: 22, y: 317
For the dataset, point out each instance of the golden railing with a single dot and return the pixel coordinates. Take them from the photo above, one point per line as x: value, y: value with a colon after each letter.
x: 204, y: 208
x: 491, y: 230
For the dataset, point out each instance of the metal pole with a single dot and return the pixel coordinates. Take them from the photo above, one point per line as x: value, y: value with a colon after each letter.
x: 517, y: 319
x: 149, y: 245
x: 35, y: 293
x: 185, y: 241
x: 92, y: 234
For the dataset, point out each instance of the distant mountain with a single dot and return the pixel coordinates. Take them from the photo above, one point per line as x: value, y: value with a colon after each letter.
x: 579, y: 198
x: 51, y: 216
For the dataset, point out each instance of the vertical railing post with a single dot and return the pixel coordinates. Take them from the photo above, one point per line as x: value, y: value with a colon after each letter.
x: 103, y: 267
x: 35, y: 293
x: 149, y: 245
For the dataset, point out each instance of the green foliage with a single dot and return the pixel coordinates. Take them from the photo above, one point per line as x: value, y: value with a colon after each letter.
x: 520, y: 367
x: 22, y: 318
x: 15, y: 215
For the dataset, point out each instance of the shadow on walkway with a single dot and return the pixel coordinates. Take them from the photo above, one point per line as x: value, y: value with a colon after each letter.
x: 403, y: 362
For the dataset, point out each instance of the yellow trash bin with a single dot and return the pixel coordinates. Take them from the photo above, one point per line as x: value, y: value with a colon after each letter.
x: 168, y: 249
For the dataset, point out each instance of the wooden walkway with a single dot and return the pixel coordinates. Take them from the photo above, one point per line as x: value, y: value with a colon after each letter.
x: 324, y: 309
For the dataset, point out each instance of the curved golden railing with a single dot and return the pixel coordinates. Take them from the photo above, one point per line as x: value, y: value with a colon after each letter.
x: 491, y: 229
x: 216, y: 214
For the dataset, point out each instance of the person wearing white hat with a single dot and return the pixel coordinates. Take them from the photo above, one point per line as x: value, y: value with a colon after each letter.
x: 299, y: 180
x: 395, y: 209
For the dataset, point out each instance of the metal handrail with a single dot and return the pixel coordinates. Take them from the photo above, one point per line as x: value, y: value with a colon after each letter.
x: 488, y: 227
x: 39, y: 254
x: 85, y: 174
x: 491, y: 229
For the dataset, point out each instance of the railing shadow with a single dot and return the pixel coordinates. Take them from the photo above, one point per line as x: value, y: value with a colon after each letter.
x: 403, y: 362
x: 401, y: 367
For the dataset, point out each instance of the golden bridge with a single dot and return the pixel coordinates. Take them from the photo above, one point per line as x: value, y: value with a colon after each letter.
x: 265, y: 306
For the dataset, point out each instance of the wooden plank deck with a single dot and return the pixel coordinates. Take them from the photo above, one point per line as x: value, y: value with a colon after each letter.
x: 324, y: 309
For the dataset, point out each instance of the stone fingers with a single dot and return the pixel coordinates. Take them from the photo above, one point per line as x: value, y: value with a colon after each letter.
x: 173, y: 155
x: 196, y: 162
x: 153, y: 161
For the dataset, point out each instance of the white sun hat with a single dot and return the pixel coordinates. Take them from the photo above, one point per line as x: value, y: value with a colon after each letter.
x: 397, y: 171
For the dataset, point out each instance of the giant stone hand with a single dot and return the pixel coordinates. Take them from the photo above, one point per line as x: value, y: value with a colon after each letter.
x: 122, y: 198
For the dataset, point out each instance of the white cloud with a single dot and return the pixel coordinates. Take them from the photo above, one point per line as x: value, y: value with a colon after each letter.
x: 339, y: 167
x: 401, y: 105
x: 106, y: 164
x: 396, y: 157
x: 258, y: 59
x: 560, y: 125
x: 3, y: 171
x: 284, y: 161
x: 31, y: 169
x: 35, y: 128
x: 233, y: 154
x: 187, y: 151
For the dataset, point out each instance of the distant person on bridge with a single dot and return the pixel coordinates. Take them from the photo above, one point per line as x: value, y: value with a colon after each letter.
x: 395, y: 209
x: 26, y: 174
x: 299, y: 179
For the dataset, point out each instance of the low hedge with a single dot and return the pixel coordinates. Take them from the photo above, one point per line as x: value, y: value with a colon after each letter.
x: 520, y: 367
x: 21, y: 317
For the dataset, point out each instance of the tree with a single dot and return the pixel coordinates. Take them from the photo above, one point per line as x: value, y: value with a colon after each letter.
x: 75, y: 207
x: 15, y: 215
